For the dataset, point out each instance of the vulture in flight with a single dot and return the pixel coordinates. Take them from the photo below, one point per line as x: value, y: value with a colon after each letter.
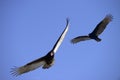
x: 96, y: 32
x: 46, y: 61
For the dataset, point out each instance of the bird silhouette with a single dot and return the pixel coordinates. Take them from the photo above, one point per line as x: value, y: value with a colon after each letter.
x: 96, y: 32
x: 46, y: 61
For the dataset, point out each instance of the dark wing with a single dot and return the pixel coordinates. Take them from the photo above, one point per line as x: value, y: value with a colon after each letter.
x: 60, y: 39
x: 28, y: 67
x: 80, y: 38
x: 102, y: 25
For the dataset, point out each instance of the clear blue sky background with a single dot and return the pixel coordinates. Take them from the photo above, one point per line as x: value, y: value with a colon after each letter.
x: 30, y: 28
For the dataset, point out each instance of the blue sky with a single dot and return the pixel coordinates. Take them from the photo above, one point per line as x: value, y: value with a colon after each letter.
x: 30, y: 28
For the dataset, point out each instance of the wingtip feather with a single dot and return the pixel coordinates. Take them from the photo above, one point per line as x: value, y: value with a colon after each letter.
x: 109, y: 17
x: 15, y: 71
x: 67, y: 20
x: 73, y: 41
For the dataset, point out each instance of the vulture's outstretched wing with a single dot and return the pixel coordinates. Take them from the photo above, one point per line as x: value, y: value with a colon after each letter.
x: 60, y: 39
x: 28, y: 67
x: 80, y: 38
x: 102, y: 25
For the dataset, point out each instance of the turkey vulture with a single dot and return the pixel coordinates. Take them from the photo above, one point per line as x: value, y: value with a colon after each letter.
x: 45, y: 61
x: 96, y: 32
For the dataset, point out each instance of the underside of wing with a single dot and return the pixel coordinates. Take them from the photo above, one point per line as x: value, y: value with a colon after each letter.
x: 80, y: 38
x: 59, y: 41
x: 28, y: 67
x: 102, y: 25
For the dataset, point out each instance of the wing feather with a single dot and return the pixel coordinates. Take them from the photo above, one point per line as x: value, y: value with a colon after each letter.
x: 102, y: 25
x: 60, y: 39
x: 28, y: 67
x: 80, y: 38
